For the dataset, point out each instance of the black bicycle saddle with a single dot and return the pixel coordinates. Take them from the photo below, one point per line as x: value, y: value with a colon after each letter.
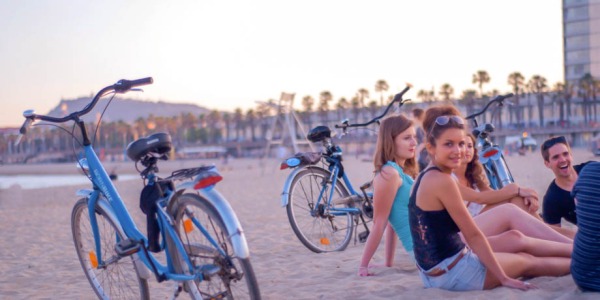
x: 157, y: 143
x: 318, y: 134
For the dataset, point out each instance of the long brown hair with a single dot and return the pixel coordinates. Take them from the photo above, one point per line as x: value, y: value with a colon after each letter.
x: 474, y: 172
x: 385, y: 150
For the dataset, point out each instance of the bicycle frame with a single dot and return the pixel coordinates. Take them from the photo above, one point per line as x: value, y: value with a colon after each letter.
x: 490, y: 155
x: 115, y: 206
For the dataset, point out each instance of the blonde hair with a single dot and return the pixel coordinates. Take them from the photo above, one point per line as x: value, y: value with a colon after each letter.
x: 385, y: 150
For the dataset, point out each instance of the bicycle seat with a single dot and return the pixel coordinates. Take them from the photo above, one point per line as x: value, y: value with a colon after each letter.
x: 157, y: 143
x: 319, y: 133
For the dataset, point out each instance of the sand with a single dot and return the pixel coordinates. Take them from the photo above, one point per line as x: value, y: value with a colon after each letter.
x: 38, y: 261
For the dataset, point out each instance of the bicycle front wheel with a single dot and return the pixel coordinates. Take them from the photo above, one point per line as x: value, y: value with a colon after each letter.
x: 113, y: 277
x: 320, y: 228
x: 235, y: 278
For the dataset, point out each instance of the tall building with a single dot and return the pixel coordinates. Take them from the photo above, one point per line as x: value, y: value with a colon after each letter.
x: 581, y: 34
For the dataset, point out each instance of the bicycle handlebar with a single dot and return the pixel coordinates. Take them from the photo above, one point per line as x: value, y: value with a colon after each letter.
x: 121, y: 86
x: 397, y: 98
x: 498, y: 98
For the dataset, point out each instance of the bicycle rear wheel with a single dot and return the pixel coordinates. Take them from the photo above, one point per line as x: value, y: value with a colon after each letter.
x: 318, y: 228
x: 114, y: 277
x: 235, y: 278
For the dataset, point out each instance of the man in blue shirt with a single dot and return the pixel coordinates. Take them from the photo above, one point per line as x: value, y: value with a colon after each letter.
x: 585, y: 262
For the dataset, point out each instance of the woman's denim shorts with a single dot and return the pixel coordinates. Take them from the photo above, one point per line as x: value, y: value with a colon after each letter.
x: 467, y: 275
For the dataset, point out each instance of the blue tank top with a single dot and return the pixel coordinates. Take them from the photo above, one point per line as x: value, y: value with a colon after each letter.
x: 434, y: 233
x: 399, y: 213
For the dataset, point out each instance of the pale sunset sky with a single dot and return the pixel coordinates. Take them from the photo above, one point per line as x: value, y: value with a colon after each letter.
x: 229, y: 54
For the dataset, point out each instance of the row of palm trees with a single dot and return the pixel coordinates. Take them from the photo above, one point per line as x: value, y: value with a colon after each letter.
x: 217, y: 127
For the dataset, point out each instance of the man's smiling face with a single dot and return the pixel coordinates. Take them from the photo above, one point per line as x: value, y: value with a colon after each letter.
x: 560, y: 160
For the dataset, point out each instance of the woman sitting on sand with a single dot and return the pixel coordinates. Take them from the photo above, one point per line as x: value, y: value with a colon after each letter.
x: 479, y: 197
x: 437, y: 213
x: 395, y: 168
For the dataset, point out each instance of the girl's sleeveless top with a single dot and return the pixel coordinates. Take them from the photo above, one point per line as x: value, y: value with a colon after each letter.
x: 399, y: 213
x: 434, y: 233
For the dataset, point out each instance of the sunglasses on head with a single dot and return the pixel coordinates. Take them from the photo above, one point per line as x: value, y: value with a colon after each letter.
x: 444, y: 120
x: 553, y: 141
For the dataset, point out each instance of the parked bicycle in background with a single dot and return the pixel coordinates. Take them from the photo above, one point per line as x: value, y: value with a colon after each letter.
x: 187, y: 219
x: 322, y: 205
x: 491, y: 155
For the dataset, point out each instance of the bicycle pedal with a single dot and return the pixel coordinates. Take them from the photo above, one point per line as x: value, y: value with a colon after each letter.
x: 362, y: 237
x: 127, y: 247
x: 209, y: 270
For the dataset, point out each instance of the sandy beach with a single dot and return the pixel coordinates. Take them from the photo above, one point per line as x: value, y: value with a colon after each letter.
x: 38, y: 261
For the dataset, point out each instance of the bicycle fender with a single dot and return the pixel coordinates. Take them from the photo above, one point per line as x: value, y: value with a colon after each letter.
x: 230, y: 220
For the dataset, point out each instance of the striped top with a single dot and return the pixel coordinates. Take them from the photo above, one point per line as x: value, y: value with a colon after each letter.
x: 585, y: 262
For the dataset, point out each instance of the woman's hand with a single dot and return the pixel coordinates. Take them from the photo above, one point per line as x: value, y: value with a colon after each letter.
x: 528, y: 193
x: 517, y: 284
x: 532, y: 204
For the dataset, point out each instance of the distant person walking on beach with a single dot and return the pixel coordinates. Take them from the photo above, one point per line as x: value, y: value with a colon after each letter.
x: 585, y: 265
x: 558, y: 203
x: 395, y: 168
x: 422, y: 156
x: 437, y: 214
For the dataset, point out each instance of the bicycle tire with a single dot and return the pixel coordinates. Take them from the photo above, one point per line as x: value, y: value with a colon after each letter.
x: 319, y: 233
x: 119, y: 279
x: 236, y: 278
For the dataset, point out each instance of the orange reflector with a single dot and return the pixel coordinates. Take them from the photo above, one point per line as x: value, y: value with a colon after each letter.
x: 208, y: 181
x: 490, y: 153
x: 324, y: 241
x: 283, y: 166
x: 188, y: 226
x: 93, y: 259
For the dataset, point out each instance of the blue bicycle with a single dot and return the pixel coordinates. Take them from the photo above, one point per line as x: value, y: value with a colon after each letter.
x: 491, y: 155
x: 322, y: 205
x: 194, y: 225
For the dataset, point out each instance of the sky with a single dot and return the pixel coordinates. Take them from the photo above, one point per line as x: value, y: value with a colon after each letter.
x: 230, y: 54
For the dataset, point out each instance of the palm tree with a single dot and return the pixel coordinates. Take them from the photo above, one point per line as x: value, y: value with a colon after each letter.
x: 589, y: 86
x: 537, y: 85
x: 341, y: 107
x: 480, y: 78
x: 558, y: 99
x: 226, y: 118
x: 324, y: 99
x: 373, y: 108
x: 517, y: 81
x: 363, y: 94
x: 355, y: 105
x: 238, y: 123
x: 425, y: 96
x: 468, y: 97
x: 381, y: 86
x: 251, y: 119
x: 307, y: 104
x: 446, y: 92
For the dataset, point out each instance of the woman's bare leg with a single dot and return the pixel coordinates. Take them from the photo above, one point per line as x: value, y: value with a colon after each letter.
x: 520, y: 202
x: 508, y: 216
x: 514, y: 241
x: 521, y: 264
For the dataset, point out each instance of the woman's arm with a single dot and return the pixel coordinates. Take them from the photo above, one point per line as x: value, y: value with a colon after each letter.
x: 391, y: 240
x: 385, y: 186
x: 488, y: 195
